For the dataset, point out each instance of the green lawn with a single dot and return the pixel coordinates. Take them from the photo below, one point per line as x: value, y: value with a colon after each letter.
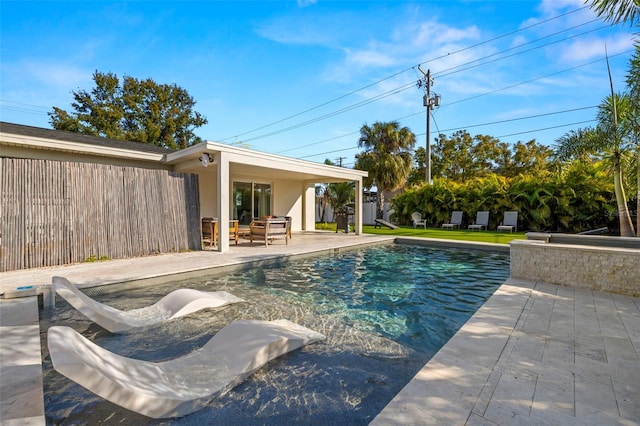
x: 408, y: 231
x: 482, y: 236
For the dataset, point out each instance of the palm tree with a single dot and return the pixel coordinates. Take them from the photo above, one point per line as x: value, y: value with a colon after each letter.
x: 387, y: 157
x: 615, y: 116
x: 633, y: 122
x: 617, y: 11
x: 606, y: 138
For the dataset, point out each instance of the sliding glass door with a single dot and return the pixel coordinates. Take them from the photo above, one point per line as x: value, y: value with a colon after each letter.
x: 261, y: 200
x: 250, y: 200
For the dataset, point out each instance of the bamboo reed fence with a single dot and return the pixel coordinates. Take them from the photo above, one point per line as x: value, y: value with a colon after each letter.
x: 56, y: 213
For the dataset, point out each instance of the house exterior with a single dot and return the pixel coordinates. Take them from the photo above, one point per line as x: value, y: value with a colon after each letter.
x: 208, y: 180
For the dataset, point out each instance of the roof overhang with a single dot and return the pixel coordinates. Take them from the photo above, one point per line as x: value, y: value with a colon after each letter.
x: 242, y: 161
x: 32, y: 142
x: 248, y: 162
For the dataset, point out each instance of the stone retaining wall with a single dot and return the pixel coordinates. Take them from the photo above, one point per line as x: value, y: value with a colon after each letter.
x: 615, y: 270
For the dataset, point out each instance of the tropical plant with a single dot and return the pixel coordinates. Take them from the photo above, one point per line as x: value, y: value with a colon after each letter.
x: 340, y: 195
x: 387, y: 157
x: 322, y: 191
x: 136, y: 110
x: 576, y: 199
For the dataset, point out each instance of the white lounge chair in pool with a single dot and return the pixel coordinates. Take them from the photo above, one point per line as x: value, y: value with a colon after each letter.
x: 176, y: 304
x: 179, y: 386
x: 456, y: 220
x: 482, y: 221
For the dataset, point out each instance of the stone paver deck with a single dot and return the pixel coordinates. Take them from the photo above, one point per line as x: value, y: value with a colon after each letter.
x: 534, y: 353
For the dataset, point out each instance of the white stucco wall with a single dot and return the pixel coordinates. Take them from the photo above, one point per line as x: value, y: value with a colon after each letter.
x: 287, y: 201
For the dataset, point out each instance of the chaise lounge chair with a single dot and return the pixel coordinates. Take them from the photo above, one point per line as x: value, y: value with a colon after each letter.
x: 456, y: 220
x: 510, y: 222
x: 179, y: 386
x: 176, y: 304
x: 482, y: 221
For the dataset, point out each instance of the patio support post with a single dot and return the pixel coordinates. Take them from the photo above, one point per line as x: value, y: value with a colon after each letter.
x: 358, y: 208
x: 309, y: 206
x: 223, y: 191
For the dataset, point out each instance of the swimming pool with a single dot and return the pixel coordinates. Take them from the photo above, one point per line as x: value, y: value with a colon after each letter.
x: 386, y: 310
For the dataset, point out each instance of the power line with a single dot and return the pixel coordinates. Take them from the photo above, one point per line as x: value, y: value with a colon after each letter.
x: 519, y: 118
x: 483, y: 124
x: 443, y: 73
x: 410, y: 85
x: 401, y: 72
x: 474, y: 97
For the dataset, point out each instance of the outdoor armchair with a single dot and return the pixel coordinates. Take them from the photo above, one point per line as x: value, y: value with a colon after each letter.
x: 418, y: 220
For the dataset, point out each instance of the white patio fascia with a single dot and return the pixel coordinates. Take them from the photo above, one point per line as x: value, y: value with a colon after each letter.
x: 230, y: 162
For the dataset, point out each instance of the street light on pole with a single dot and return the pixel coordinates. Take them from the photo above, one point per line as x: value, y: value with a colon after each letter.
x: 429, y: 102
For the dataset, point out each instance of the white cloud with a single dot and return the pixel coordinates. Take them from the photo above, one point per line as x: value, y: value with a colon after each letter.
x: 590, y: 48
x: 52, y: 75
x: 305, y: 3
x: 370, y: 58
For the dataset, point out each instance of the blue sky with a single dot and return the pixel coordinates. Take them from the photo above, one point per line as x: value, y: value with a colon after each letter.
x: 300, y: 78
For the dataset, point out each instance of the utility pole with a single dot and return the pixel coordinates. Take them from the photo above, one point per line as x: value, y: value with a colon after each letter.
x: 429, y: 102
x: 340, y: 160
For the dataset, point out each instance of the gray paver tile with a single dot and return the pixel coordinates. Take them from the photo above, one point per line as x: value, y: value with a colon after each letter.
x: 476, y: 420
x: 21, y: 391
x: 619, y: 348
x: 594, y: 397
x: 592, y: 347
x: 528, y: 349
x: 557, y: 352
x: 555, y: 391
x: 627, y: 391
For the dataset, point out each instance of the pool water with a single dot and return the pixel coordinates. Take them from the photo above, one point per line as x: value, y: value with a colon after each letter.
x: 386, y: 310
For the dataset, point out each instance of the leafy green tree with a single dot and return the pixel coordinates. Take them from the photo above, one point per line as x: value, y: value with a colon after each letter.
x: 418, y: 171
x: 462, y: 157
x: 452, y: 157
x: 530, y: 158
x: 387, y: 157
x: 136, y: 110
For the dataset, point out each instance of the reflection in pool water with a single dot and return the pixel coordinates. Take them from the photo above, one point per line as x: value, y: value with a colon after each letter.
x: 386, y: 310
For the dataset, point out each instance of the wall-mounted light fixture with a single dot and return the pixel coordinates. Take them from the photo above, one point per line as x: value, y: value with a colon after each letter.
x: 206, y: 159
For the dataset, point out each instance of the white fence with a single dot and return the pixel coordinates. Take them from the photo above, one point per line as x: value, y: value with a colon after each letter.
x: 368, y: 213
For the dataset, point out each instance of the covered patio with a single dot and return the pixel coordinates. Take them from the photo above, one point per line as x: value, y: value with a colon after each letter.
x: 241, y: 184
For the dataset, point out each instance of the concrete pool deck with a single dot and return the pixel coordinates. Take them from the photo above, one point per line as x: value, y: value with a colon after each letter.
x: 535, y: 353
